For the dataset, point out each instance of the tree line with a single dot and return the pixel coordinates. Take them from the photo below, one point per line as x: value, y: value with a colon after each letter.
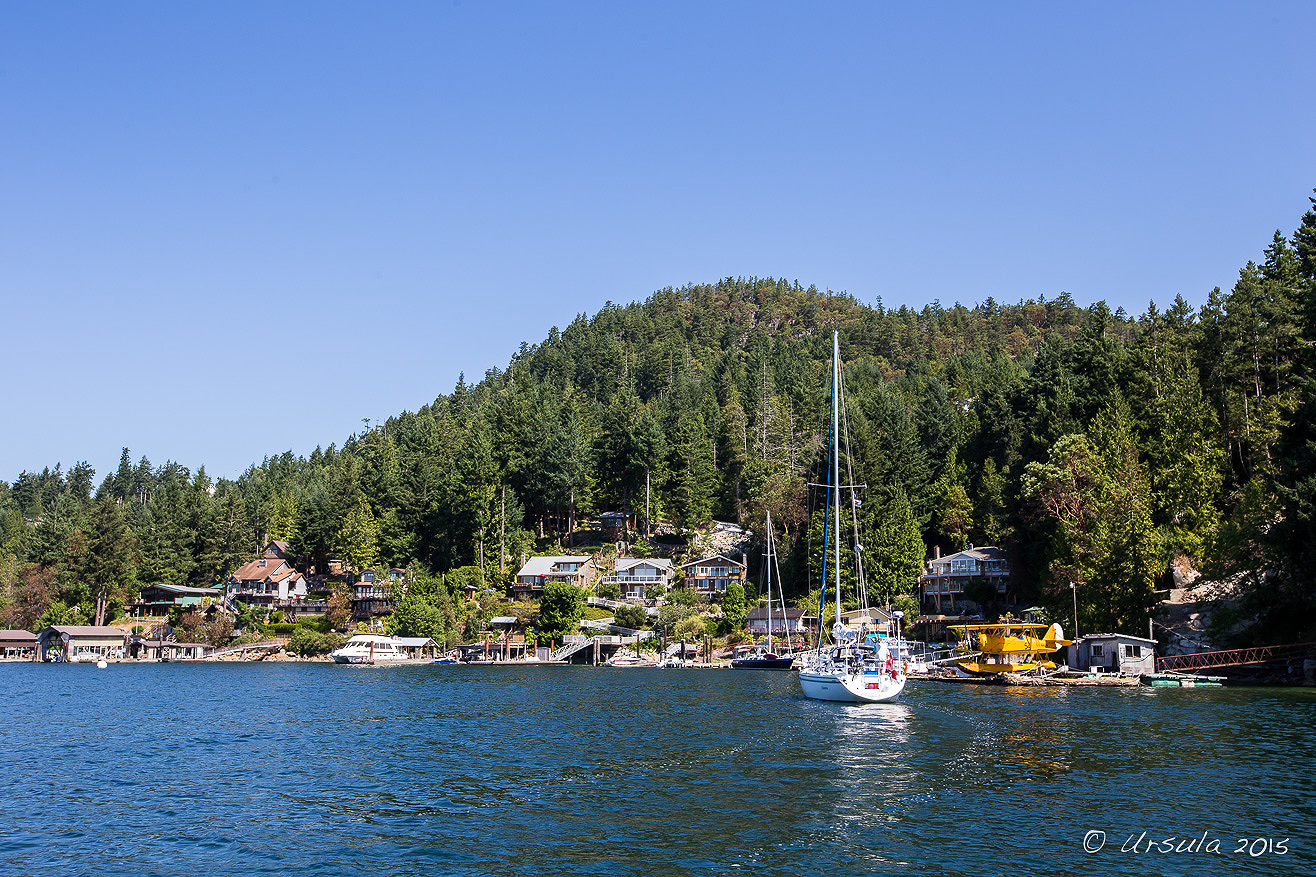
x: 1096, y: 447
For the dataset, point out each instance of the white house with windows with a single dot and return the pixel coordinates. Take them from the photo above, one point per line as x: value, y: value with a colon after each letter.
x: 712, y: 575
x: 634, y: 576
x: 943, y: 582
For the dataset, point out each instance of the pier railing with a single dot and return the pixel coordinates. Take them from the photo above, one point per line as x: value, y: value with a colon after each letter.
x: 1235, y: 657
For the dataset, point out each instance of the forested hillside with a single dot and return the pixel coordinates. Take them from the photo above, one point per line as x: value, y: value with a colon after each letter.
x: 1097, y: 447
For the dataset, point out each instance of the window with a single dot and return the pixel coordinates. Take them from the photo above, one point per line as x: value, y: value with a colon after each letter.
x: 1097, y: 651
x: 261, y: 565
x: 1133, y: 651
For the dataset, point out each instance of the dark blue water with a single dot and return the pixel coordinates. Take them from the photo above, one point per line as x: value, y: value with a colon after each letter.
x: 317, y: 769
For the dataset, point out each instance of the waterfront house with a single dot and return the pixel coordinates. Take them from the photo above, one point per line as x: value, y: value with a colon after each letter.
x: 539, y: 571
x: 709, y: 576
x: 1113, y: 653
x: 18, y: 645
x: 371, y: 598
x: 634, y: 576
x: 158, y: 599
x: 81, y: 642
x: 875, y: 620
x: 269, y: 581
x: 945, y: 579
x: 789, y: 622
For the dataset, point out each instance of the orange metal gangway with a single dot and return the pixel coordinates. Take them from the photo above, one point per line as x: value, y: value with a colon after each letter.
x: 1235, y: 657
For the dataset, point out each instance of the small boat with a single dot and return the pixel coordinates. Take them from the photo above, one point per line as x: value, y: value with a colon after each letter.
x: 368, y: 648
x: 1181, y: 680
x: 859, y: 667
x: 760, y: 658
x: 620, y: 660
x: 763, y: 657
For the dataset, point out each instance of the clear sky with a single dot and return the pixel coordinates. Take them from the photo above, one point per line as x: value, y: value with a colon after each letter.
x: 228, y: 230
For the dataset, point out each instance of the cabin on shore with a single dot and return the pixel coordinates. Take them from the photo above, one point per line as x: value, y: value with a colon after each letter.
x: 1113, y: 653
x: 785, y: 622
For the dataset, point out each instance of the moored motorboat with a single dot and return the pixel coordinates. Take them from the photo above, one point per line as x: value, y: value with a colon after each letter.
x: 368, y: 648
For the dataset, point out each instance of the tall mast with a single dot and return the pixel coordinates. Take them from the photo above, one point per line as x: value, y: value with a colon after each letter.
x: 767, y: 563
x: 836, y: 463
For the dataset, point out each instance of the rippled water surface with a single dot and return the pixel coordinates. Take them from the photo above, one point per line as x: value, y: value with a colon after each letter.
x: 319, y: 769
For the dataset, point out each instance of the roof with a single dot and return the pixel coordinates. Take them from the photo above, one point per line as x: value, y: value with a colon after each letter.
x: 183, y: 589
x: 86, y: 630
x: 715, y: 557
x: 1119, y: 636
x: 542, y: 566
x: 254, y: 572
x: 982, y: 552
x: 761, y: 612
x: 413, y: 642
x: 632, y: 562
x: 17, y: 636
x: 504, y: 619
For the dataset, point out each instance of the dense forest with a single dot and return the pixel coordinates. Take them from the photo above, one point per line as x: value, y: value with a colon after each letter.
x: 1096, y: 447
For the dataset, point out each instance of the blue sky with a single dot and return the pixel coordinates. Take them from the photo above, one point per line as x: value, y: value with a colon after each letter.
x: 230, y: 230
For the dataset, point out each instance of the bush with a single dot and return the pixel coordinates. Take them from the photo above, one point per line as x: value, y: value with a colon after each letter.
x: 690, y: 627
x: 308, y: 643
x: 633, y: 617
x: 281, y: 629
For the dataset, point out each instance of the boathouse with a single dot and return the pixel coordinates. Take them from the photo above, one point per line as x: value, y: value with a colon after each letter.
x: 1113, y: 653
x: 18, y: 645
x: 416, y: 647
x: 81, y: 642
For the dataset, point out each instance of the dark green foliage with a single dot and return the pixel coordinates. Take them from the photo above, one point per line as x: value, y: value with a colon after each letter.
x: 1178, y: 436
x: 560, y: 609
x: 633, y: 617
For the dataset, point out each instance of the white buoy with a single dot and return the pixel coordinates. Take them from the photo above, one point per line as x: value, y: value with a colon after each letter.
x: 101, y: 665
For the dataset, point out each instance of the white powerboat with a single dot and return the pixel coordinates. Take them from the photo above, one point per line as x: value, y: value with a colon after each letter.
x: 368, y: 648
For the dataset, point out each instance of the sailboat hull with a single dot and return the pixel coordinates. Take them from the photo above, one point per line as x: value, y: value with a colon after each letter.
x: 757, y: 662
x: 867, y: 687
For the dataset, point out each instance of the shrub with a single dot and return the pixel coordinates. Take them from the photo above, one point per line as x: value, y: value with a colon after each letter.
x: 308, y: 643
x: 690, y: 627
x: 633, y: 617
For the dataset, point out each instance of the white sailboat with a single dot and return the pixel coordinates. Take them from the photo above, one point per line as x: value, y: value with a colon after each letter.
x: 857, y: 667
x: 761, y: 657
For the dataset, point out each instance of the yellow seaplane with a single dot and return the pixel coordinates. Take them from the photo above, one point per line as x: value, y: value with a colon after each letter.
x: 1008, y: 647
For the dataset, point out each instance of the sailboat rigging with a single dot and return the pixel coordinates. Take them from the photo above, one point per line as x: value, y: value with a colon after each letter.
x: 857, y: 667
x: 758, y: 657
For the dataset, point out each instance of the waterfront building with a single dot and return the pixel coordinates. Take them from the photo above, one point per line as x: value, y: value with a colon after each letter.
x: 709, y: 576
x: 578, y: 570
x: 634, y: 576
x: 81, y: 642
x: 18, y: 645
x: 788, y: 622
x: 158, y: 599
x: 269, y: 581
x: 945, y: 580
x: 1113, y: 653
